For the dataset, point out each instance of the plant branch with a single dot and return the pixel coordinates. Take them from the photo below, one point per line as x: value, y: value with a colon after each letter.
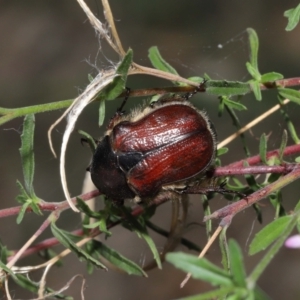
x: 289, y: 150
x: 233, y: 209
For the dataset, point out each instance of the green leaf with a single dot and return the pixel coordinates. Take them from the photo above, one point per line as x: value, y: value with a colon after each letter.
x: 297, y: 207
x: 288, y: 121
x: 221, y: 106
x: 101, y: 113
x: 141, y: 231
x: 158, y: 62
x: 26, y: 202
x: 22, y: 212
x: 290, y: 94
x: 233, y: 104
x: 224, y: 249
x: 253, y: 72
x: 226, y: 88
x: 255, y: 86
x: 293, y: 16
x: 222, y: 151
x: 286, y: 230
x: 87, y: 138
x: 33, y: 287
x: 84, y: 208
x: 6, y: 269
x: 196, y: 79
x: 215, y: 294
x: 269, y: 77
x: 27, y: 154
x: 269, y: 234
x: 23, y: 196
x: 254, y: 44
x: 200, y: 268
x: 117, y: 86
x: 236, y: 264
x: 118, y: 260
x: 282, y: 145
x: 297, y: 159
x: 65, y: 240
x: 263, y: 148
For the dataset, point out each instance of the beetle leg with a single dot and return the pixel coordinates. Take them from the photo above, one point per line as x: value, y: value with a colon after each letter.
x: 200, y: 88
x: 120, y: 109
x: 212, y: 189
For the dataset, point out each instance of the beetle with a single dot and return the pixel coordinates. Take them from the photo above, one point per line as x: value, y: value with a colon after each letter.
x: 162, y: 146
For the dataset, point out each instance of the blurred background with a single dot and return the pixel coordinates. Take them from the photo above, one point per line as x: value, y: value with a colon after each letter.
x: 47, y: 50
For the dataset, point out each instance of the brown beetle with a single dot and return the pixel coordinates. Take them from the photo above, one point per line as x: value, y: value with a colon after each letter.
x: 160, y: 147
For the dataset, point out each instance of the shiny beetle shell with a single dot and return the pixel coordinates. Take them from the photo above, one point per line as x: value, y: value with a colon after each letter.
x: 151, y: 149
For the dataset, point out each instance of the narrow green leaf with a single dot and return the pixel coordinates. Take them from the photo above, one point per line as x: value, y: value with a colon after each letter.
x: 293, y: 16
x: 200, y: 268
x: 23, y: 196
x: 297, y: 207
x: 90, y: 140
x: 254, y: 44
x: 215, y: 294
x: 224, y: 249
x: 84, y: 208
x: 282, y: 236
x: 119, y: 260
x: 4, y: 253
x: 288, y: 121
x: 142, y: 231
x: 260, y: 295
x: 22, y: 212
x: 263, y: 148
x: 158, y: 62
x: 255, y: 86
x: 117, y: 86
x: 196, y: 79
x: 222, y: 151
x: 90, y: 77
x: 234, y: 105
x: 226, y: 88
x: 253, y: 72
x: 65, y: 240
x: 269, y: 77
x: 290, y: 94
x: 6, y: 269
x: 221, y: 106
x: 32, y: 286
x: 237, y: 264
x: 101, y: 113
x: 27, y: 154
x: 283, y: 145
x: 269, y: 234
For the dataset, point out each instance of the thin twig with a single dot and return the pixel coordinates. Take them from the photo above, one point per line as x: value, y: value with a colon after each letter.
x: 251, y: 124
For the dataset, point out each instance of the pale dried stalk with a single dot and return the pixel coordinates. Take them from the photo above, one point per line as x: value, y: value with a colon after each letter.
x: 203, y: 252
x: 97, y: 85
x: 251, y: 124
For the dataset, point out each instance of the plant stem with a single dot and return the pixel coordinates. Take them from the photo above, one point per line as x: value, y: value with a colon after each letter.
x: 233, y: 209
x: 11, y: 113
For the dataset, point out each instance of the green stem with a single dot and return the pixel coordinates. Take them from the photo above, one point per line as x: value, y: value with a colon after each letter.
x: 12, y: 113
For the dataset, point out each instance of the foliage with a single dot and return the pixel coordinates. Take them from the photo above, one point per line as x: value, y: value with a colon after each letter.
x: 231, y: 281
